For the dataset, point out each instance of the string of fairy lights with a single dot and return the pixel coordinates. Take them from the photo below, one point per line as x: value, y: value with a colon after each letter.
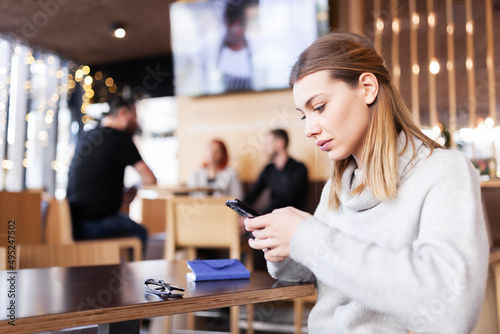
x: 46, y: 82
x: 105, y: 85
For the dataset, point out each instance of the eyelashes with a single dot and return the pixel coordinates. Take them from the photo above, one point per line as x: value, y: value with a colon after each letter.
x: 317, y: 109
x: 320, y: 108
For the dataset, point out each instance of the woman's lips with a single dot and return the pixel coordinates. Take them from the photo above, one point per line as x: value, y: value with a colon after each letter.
x: 323, y: 144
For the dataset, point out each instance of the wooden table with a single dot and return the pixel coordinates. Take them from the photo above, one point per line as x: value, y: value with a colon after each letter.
x: 113, y: 296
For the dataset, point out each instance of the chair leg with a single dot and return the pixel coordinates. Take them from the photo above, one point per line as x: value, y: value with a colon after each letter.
x: 234, y: 318
x: 160, y: 325
x: 298, y: 310
x: 191, y: 321
x: 137, y: 253
x: 191, y: 253
x: 250, y: 316
x: 249, y: 260
x: 167, y: 325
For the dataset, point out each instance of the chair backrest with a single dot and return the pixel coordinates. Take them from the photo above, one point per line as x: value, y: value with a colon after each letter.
x: 3, y: 258
x: 154, y: 214
x: 58, y: 228
x: 87, y: 254
x: 22, y: 211
x: 201, y: 222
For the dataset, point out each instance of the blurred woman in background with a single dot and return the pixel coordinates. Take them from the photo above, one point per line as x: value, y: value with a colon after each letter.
x: 215, y: 172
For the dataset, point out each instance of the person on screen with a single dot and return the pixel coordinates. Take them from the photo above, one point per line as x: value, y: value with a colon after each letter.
x: 234, y: 59
x: 398, y: 241
x: 215, y: 172
x: 95, y: 182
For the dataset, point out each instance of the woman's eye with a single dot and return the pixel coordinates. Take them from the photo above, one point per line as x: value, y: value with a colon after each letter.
x: 303, y: 117
x: 320, y: 108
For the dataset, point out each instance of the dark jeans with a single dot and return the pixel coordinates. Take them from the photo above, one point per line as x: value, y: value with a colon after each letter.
x: 119, y: 225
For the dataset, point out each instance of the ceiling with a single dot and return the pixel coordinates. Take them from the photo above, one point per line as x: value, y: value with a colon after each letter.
x: 81, y: 30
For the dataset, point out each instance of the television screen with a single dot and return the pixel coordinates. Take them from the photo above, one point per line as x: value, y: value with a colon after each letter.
x: 224, y: 46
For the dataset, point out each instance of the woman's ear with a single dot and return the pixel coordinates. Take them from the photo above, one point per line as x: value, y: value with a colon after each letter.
x: 370, y: 85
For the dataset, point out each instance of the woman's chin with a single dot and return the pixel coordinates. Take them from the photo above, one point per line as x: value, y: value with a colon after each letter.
x: 334, y: 155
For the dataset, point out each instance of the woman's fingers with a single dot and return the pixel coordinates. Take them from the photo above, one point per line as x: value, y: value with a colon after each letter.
x: 260, y: 234
x: 274, y: 255
x: 260, y: 243
x: 252, y: 224
x: 271, y: 258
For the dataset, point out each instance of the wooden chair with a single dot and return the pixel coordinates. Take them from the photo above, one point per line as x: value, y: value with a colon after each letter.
x: 154, y: 214
x: 489, y: 318
x: 59, y: 230
x: 495, y: 286
x: 25, y: 209
x: 298, y: 311
x: 3, y: 258
x: 87, y: 254
x: 204, y: 222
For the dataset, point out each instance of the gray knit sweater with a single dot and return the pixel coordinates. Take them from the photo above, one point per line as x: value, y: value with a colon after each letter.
x: 415, y: 262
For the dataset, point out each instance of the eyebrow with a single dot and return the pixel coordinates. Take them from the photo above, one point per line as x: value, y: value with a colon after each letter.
x: 309, y: 101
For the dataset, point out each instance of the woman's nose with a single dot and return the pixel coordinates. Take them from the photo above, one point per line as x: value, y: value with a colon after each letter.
x: 312, y: 128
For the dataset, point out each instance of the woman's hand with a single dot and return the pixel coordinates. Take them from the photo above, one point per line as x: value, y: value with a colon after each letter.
x: 273, y: 232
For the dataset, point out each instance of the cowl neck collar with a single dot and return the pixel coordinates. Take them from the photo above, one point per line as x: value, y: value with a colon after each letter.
x: 365, y: 199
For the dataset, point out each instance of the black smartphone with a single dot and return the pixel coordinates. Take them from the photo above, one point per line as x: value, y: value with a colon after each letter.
x: 242, y: 209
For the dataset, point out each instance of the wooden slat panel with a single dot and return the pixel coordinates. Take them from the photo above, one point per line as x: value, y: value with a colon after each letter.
x: 471, y: 80
x: 431, y: 36
x: 490, y: 60
x: 378, y: 27
x: 415, y: 68
x: 396, y: 27
x: 450, y: 66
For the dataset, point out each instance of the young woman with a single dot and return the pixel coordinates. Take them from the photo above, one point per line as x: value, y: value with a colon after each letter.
x: 215, y: 173
x: 398, y: 241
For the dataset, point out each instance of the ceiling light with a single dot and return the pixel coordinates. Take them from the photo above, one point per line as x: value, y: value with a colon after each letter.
x: 120, y: 33
x: 118, y: 30
x: 434, y: 66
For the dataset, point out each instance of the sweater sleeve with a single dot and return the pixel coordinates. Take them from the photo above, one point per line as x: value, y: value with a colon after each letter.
x: 434, y: 285
x: 290, y: 270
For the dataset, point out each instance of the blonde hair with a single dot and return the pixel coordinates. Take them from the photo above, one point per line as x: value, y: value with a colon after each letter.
x: 346, y: 56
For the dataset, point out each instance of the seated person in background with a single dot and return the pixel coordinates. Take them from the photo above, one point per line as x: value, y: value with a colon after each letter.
x: 284, y: 176
x: 95, y: 182
x: 215, y: 173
